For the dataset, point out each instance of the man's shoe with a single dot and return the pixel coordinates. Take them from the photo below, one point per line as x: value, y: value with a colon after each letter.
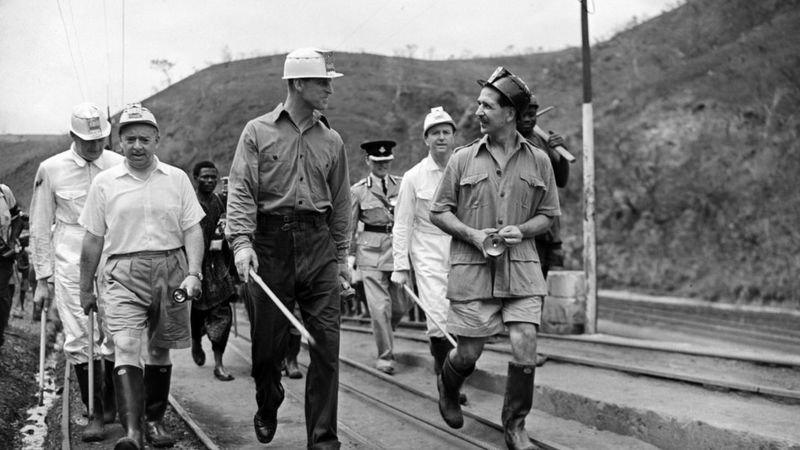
x: 221, y: 375
x: 540, y: 359
x: 265, y: 430
x: 198, y: 355
x: 385, y: 366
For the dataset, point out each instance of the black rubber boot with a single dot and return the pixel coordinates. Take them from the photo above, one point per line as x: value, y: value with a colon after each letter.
x: 449, y: 384
x: 156, y: 398
x: 129, y: 389
x: 517, y: 405
x: 109, y: 400
x: 439, y: 348
x: 94, y: 430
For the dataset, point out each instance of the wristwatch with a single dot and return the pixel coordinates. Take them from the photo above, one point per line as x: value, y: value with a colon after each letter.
x: 197, y: 275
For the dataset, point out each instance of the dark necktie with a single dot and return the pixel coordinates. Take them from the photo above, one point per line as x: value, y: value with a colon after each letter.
x: 383, y: 186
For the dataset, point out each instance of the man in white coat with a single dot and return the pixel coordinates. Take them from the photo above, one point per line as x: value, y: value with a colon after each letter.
x: 419, y: 245
x: 59, y: 194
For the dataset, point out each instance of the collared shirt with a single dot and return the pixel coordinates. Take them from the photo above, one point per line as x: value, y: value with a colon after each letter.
x: 412, y: 213
x: 482, y: 195
x: 280, y: 169
x: 7, y: 203
x: 59, y: 194
x: 371, y: 206
x: 136, y: 214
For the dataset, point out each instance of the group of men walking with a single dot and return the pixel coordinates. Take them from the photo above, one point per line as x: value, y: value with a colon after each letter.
x: 132, y: 232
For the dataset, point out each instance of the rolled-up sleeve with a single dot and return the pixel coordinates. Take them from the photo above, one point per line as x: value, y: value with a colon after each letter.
x: 93, y: 216
x: 339, y: 220
x: 243, y: 191
x: 403, y: 221
x: 549, y: 206
x: 42, y: 217
x: 191, y: 211
x: 446, y: 196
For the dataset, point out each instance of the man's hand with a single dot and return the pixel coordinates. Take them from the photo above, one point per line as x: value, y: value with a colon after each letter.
x: 344, y: 272
x: 244, y: 259
x: 88, y: 301
x: 192, y: 285
x: 554, y: 140
x: 478, y: 236
x: 44, y: 294
x: 400, y: 277
x: 511, y: 234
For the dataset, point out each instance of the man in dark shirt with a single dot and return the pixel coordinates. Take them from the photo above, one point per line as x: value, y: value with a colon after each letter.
x: 211, y: 312
x: 288, y: 220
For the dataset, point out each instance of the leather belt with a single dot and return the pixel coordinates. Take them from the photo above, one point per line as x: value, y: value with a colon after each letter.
x: 378, y: 228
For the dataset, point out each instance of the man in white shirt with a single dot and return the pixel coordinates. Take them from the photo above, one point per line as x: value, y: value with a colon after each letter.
x: 59, y: 194
x: 147, y: 216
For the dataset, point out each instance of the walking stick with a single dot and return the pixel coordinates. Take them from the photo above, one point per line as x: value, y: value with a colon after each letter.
x: 292, y: 319
x: 42, y: 351
x: 428, y: 314
x: 235, y: 321
x: 91, y: 364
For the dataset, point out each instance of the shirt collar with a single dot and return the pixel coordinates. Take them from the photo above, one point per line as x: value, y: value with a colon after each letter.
x: 519, y: 142
x: 429, y: 164
x: 125, y: 170
x: 280, y: 111
x: 100, y: 162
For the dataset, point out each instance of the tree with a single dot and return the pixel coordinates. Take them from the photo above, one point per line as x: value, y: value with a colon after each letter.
x: 164, y: 66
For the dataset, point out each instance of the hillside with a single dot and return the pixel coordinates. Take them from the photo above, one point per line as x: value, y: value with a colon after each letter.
x: 695, y: 132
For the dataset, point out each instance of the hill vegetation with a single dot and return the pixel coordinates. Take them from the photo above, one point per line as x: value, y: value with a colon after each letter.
x: 696, y: 136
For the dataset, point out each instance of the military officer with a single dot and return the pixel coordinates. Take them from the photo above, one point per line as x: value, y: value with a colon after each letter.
x: 374, y: 199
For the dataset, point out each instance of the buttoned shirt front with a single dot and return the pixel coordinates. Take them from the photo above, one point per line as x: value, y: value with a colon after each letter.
x: 280, y: 169
x: 136, y: 214
x: 482, y: 195
x: 372, y: 207
x: 59, y: 194
x: 412, y: 213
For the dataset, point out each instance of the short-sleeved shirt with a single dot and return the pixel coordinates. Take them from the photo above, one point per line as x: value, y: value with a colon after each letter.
x: 482, y: 195
x: 136, y: 215
x: 279, y: 169
x: 7, y: 203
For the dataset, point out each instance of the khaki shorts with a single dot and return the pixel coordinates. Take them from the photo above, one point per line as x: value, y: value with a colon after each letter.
x: 138, y: 296
x: 482, y: 318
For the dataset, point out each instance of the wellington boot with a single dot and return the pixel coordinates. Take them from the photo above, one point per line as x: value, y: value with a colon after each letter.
x: 440, y: 347
x: 156, y: 391
x: 517, y: 405
x: 109, y: 399
x: 129, y: 390
x: 94, y: 430
x: 449, y: 384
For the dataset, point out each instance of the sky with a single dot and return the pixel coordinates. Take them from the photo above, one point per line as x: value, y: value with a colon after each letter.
x: 55, y: 54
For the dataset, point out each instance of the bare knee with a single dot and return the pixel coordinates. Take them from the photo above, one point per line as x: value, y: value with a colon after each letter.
x: 127, y: 350
x: 523, y: 342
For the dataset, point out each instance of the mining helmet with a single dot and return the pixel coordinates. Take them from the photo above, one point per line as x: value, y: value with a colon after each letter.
x: 437, y: 116
x: 89, y: 122
x: 136, y: 113
x: 309, y: 63
x: 534, y: 101
x: 379, y: 151
x: 511, y: 87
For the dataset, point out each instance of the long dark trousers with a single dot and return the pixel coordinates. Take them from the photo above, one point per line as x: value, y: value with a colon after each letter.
x: 297, y: 260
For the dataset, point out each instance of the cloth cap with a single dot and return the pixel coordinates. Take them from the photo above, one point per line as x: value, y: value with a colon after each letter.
x: 136, y: 113
x: 379, y: 150
x: 511, y: 87
x: 89, y: 122
x: 437, y: 116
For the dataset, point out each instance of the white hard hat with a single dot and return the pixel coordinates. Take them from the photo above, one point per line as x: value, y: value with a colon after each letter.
x: 309, y: 63
x: 136, y: 113
x: 89, y: 122
x: 437, y: 116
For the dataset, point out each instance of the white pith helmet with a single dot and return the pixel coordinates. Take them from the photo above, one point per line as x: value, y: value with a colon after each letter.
x: 136, y: 113
x: 437, y: 116
x: 89, y: 122
x: 309, y: 63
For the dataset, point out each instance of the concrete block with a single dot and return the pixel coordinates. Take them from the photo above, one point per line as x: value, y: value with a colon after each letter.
x: 566, y: 283
x: 563, y: 315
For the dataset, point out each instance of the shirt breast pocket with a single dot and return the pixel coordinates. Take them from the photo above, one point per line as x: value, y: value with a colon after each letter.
x: 532, y: 189
x: 474, y: 189
x: 72, y: 201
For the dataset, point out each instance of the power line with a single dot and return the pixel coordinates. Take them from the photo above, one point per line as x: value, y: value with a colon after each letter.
x: 123, y: 52
x: 364, y: 22
x: 78, y: 44
x: 71, y: 54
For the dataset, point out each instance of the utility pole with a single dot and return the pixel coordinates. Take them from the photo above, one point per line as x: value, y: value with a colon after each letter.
x: 589, y: 229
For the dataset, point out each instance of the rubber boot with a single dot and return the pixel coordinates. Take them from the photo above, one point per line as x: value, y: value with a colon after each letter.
x: 129, y: 389
x: 94, y: 430
x: 439, y: 348
x: 517, y: 405
x: 449, y: 384
x: 109, y: 400
x: 156, y: 398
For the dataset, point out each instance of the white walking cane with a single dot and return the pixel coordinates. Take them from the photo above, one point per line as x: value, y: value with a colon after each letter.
x: 292, y: 319
x: 91, y: 364
x: 42, y: 351
x: 428, y: 314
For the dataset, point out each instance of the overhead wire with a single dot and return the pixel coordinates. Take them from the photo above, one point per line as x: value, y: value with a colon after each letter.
x: 78, y: 44
x: 71, y: 53
x: 123, y: 53
x: 363, y: 22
